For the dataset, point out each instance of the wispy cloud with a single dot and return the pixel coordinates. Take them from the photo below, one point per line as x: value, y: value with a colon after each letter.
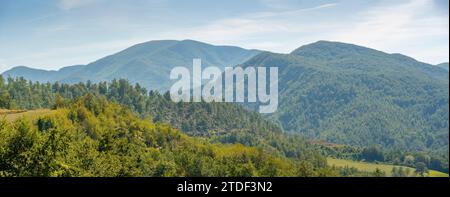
x: 327, y: 5
x: 252, y: 30
x: 72, y: 4
x: 69, y: 35
x: 290, y: 11
x: 288, y: 4
x: 408, y: 28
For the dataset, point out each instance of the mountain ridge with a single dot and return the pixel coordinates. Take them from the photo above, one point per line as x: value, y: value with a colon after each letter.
x: 360, y: 96
x: 444, y: 66
x: 336, y: 92
x: 344, y: 52
x: 147, y: 63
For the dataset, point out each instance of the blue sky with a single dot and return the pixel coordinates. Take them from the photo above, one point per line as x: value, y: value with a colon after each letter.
x: 50, y: 34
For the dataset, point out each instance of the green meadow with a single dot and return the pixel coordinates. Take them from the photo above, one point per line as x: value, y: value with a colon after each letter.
x: 371, y: 167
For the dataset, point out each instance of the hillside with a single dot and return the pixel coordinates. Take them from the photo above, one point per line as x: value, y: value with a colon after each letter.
x: 92, y: 137
x: 217, y: 122
x: 444, y: 66
x: 148, y: 64
x: 70, y: 127
x: 222, y: 123
x: 333, y: 92
x: 43, y: 75
x: 348, y: 94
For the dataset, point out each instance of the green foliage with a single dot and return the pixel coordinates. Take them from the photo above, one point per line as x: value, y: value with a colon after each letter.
x: 356, y: 96
x: 342, y: 93
x: 92, y: 137
x: 5, y: 101
x: 421, y: 168
x: 372, y: 154
x: 214, y: 122
x: 220, y: 122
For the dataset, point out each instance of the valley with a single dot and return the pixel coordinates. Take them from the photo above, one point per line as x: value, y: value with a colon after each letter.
x: 371, y: 111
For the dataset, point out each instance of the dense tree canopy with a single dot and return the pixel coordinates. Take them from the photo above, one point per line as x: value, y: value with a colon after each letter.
x: 347, y: 94
x: 92, y: 137
x: 219, y: 123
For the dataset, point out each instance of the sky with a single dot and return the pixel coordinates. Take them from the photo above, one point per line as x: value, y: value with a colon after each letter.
x: 50, y: 34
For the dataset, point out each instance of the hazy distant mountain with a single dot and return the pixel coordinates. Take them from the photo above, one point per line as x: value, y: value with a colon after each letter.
x: 349, y: 94
x: 42, y: 75
x: 443, y: 65
x: 148, y: 64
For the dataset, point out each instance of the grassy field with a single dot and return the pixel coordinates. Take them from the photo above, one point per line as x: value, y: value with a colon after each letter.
x: 371, y: 167
x: 11, y: 115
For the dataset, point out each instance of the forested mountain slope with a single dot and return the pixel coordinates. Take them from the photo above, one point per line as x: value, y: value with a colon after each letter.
x: 354, y: 95
x: 212, y: 122
x: 218, y: 122
x: 92, y: 137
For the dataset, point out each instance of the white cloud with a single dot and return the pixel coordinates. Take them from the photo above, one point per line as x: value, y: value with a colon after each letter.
x: 409, y: 28
x: 262, y: 30
x: 327, y: 5
x: 72, y: 4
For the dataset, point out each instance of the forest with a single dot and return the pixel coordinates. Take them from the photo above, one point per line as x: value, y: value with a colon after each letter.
x: 119, y: 129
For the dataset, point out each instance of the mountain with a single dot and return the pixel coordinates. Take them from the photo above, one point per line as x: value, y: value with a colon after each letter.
x: 86, y: 135
x: 338, y: 92
x: 42, y: 75
x: 444, y: 66
x: 354, y: 95
x: 148, y: 64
